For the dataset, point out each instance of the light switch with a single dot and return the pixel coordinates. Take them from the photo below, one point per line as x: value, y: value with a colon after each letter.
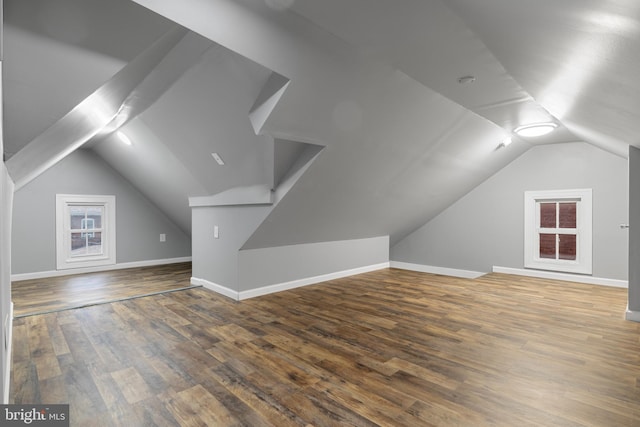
x: 216, y: 232
x: 163, y: 237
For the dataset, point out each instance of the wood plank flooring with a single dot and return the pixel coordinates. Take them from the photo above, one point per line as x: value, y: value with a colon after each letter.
x: 39, y: 296
x: 388, y: 348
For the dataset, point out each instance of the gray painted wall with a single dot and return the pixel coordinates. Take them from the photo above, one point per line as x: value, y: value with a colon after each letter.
x: 139, y: 223
x: 269, y: 266
x: 6, y: 197
x: 220, y: 261
x: 634, y: 229
x: 6, y: 209
x: 485, y: 228
x: 216, y: 260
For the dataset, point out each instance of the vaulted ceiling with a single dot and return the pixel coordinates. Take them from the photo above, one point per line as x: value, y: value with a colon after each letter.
x: 374, y: 83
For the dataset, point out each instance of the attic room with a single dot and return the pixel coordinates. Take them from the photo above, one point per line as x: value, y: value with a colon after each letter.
x: 374, y: 232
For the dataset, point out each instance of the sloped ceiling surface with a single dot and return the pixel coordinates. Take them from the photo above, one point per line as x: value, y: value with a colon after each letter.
x: 376, y: 83
x: 56, y: 53
x: 430, y: 43
x: 579, y: 59
x: 206, y: 111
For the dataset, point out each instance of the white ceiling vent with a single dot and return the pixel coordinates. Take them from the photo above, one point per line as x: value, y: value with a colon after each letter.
x: 218, y: 159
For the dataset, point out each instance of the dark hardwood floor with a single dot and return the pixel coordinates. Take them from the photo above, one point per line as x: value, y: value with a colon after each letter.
x: 384, y: 348
x: 40, y: 296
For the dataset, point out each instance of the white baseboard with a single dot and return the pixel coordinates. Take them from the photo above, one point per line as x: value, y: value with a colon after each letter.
x: 563, y: 277
x: 7, y: 367
x: 467, y: 274
x: 223, y: 290
x: 265, y: 290
x: 121, y: 266
x: 632, y: 315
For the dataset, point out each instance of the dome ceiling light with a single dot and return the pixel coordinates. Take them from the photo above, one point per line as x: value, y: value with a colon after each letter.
x: 535, y: 129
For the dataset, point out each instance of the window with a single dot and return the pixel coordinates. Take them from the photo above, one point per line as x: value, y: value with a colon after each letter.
x: 85, y: 231
x: 558, y: 230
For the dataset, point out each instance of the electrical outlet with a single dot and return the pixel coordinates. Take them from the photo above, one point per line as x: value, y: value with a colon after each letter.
x: 163, y: 237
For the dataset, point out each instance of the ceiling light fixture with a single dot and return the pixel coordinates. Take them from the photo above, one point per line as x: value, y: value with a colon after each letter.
x: 124, y: 138
x: 535, y: 129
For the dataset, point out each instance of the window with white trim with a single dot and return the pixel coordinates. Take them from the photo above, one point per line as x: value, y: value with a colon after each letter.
x: 85, y: 231
x: 558, y: 230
